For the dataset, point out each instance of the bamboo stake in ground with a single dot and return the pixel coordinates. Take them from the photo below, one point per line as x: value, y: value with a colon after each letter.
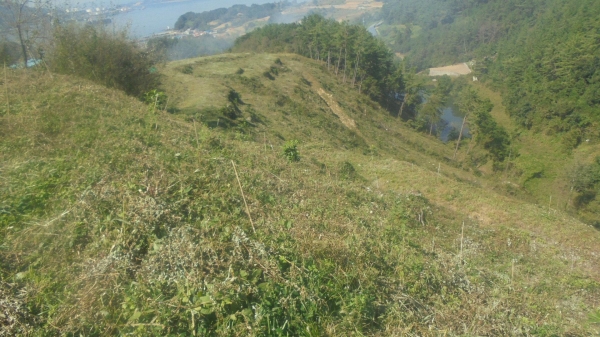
x: 462, y: 234
x: 166, y: 105
x: 512, y: 271
x: 196, y: 133
x: 6, y: 89
x: 243, y: 197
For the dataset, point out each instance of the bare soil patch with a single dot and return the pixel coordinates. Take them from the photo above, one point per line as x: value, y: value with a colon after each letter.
x: 453, y: 70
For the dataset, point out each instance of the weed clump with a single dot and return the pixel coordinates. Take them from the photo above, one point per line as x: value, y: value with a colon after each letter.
x: 347, y: 171
x: 268, y: 75
x: 15, y: 318
x: 234, y: 97
x: 290, y: 151
x: 155, y: 98
x: 187, y: 69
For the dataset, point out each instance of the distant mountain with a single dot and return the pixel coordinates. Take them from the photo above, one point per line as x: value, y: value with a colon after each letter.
x: 236, y: 15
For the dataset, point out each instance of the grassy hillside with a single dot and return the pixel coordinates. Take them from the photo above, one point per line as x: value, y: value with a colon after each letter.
x: 121, y: 218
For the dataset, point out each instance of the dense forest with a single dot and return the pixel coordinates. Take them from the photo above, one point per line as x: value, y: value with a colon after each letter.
x: 234, y: 14
x: 543, y: 55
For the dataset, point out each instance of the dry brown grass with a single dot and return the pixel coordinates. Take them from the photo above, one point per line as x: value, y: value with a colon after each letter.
x: 453, y: 70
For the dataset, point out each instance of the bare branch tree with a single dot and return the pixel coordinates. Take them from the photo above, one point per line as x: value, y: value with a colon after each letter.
x: 26, y: 17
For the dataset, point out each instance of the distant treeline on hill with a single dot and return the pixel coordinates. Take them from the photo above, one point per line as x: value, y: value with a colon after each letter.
x: 544, y: 55
x: 366, y: 64
x: 349, y: 51
x: 240, y: 13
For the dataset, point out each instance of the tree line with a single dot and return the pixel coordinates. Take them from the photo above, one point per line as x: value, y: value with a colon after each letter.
x: 350, y: 52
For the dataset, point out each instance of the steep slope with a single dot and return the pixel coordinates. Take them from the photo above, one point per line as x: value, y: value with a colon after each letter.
x: 119, y: 218
x: 542, y: 57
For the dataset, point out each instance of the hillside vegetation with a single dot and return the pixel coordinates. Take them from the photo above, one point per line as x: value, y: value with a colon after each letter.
x: 350, y: 52
x: 542, y: 57
x: 263, y: 196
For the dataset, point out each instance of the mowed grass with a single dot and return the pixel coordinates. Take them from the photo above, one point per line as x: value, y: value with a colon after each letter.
x: 120, y: 219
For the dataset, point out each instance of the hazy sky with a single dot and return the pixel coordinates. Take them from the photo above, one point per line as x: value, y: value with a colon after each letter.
x: 154, y: 16
x: 107, y: 3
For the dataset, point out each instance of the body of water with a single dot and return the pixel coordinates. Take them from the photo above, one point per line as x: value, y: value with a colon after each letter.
x: 451, y: 119
x: 373, y: 28
x: 152, y: 18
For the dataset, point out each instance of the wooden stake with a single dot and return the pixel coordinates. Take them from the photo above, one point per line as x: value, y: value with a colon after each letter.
x: 193, y: 324
x: 265, y: 141
x: 462, y: 232
x: 512, y: 272
x: 196, y: 132
x: 6, y: 88
x: 243, y: 197
x: 507, y: 162
x: 166, y: 105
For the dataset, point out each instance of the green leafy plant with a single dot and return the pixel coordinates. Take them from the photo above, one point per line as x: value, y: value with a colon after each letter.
x: 155, y: 98
x: 290, y: 150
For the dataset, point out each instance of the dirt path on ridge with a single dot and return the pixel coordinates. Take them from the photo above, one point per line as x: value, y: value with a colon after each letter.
x: 333, y: 105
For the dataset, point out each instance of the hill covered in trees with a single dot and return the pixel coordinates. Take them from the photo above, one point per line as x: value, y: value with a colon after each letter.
x: 236, y: 15
x: 542, y: 55
x: 543, y: 58
x: 350, y: 52
x: 363, y: 62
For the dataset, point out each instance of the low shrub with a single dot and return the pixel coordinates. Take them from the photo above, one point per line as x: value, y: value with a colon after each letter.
x: 107, y: 58
x: 156, y: 98
x: 290, y: 151
x: 347, y: 171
